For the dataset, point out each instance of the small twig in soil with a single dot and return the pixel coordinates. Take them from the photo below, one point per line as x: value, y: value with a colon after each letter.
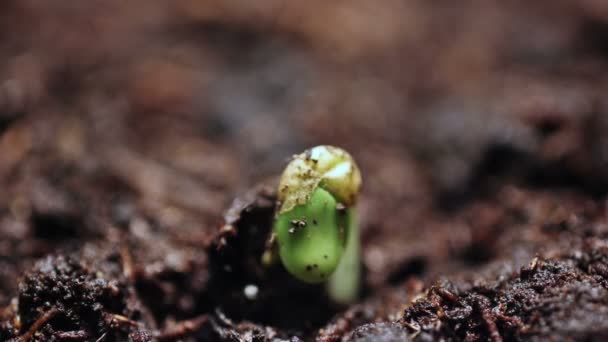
x: 183, y: 328
x: 490, y: 322
x: 101, y: 337
x: 411, y: 327
x: 127, y: 264
x: 77, y: 335
x: 122, y: 319
x: 40, y: 322
x: 445, y: 294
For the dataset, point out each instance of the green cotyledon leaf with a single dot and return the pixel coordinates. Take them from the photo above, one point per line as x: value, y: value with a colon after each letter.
x: 311, y: 237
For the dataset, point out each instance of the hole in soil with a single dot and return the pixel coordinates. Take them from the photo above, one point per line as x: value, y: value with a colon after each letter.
x: 557, y: 175
x: 548, y: 127
x: 6, y: 119
x: 56, y: 226
x: 280, y: 300
x: 414, y: 266
x: 595, y: 39
x: 61, y: 322
x: 498, y: 161
x: 478, y: 253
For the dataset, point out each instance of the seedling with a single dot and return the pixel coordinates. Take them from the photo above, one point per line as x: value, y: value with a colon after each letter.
x: 315, y: 227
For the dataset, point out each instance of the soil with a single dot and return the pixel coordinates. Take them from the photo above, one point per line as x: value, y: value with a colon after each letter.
x: 140, y: 143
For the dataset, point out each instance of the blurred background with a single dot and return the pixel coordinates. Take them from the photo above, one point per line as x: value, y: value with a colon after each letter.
x: 158, y: 113
x: 223, y: 92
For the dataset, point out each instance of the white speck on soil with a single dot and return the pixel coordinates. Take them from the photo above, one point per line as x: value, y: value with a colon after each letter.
x: 251, y: 291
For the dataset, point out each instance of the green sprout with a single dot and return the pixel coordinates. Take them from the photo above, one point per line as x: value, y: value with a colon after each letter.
x: 315, y: 226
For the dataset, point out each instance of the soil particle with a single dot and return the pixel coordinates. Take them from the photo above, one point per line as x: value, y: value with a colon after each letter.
x: 140, y: 336
x: 526, y: 306
x: 73, y: 299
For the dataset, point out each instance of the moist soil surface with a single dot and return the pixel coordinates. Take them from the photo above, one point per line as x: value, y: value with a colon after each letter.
x: 140, y: 144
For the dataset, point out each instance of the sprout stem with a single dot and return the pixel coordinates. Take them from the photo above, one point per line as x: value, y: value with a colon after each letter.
x: 343, y: 285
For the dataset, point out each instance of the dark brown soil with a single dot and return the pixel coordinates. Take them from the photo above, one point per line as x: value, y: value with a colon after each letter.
x: 140, y: 143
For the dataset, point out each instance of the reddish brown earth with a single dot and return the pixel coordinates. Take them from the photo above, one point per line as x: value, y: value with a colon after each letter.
x: 140, y: 141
